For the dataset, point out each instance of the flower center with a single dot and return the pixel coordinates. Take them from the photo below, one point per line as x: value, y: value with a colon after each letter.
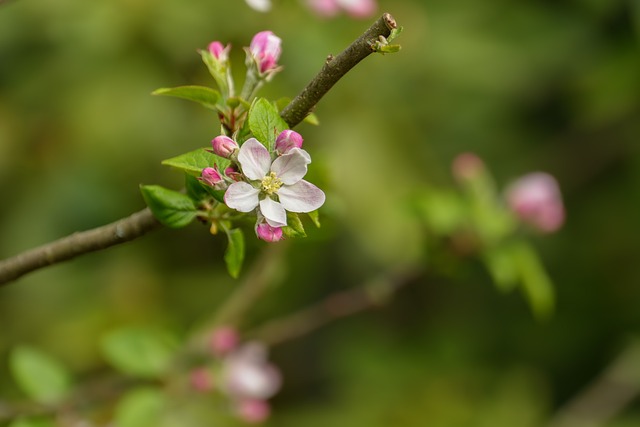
x: 271, y: 183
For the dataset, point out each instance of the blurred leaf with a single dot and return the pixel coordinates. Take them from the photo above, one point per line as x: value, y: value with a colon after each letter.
x: 502, y: 265
x: 140, y: 352
x: 205, y: 96
x: 141, y: 407
x: 194, y: 161
x: 234, y: 255
x: 443, y: 211
x: 171, y: 208
x: 294, y: 226
x: 38, y: 375
x: 535, y: 281
x: 265, y: 122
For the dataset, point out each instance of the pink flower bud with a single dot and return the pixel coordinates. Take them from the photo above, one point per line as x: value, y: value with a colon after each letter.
x: 536, y: 200
x: 212, y: 177
x: 219, y: 51
x: 224, y: 340
x: 268, y: 233
x: 253, y: 410
x: 224, y: 146
x: 233, y: 173
x: 467, y: 167
x: 287, y: 140
x: 201, y: 379
x: 358, y: 8
x: 265, y: 49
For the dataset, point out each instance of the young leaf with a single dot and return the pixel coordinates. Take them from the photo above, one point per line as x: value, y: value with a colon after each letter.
x: 315, y: 217
x: 205, y: 96
x: 234, y: 255
x: 265, y: 122
x: 171, y: 208
x: 194, y: 161
x: 38, y: 375
x: 140, y: 407
x: 535, y: 281
x: 140, y: 352
x: 294, y: 226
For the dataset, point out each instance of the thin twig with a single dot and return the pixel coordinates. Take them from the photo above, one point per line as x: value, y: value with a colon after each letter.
x: 606, y: 396
x: 373, y: 294
x: 335, y: 68
x: 141, y: 222
x: 78, y: 243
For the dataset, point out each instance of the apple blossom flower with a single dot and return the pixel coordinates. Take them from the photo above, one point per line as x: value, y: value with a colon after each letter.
x: 224, y: 146
x: 287, y: 140
x: 265, y: 48
x: 535, y: 198
x: 247, y: 374
x: 274, y: 187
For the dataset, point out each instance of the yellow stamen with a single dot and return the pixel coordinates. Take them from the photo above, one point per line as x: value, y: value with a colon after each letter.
x: 271, y: 183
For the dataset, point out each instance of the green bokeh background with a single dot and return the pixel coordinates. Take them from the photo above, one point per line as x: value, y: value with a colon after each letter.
x: 528, y: 85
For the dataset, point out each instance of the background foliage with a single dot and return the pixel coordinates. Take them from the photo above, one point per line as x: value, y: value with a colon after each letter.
x: 528, y: 85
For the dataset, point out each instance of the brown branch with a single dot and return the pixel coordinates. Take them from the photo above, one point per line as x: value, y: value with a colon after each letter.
x: 335, y: 68
x: 141, y: 222
x: 77, y: 244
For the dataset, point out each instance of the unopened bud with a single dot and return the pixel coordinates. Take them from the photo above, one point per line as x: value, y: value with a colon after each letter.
x: 224, y: 340
x: 265, y: 48
x: 219, y: 51
x: 212, y: 177
x: 268, y: 233
x: 536, y: 200
x: 287, y: 140
x: 253, y: 410
x: 467, y: 167
x: 224, y: 146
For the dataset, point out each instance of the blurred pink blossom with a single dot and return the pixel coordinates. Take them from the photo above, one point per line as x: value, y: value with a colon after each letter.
x: 247, y: 374
x: 354, y: 8
x: 224, y: 340
x: 467, y: 166
x: 253, y: 410
x: 535, y: 198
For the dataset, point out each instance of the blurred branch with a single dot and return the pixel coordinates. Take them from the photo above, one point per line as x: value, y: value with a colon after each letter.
x: 78, y: 243
x: 335, y: 68
x: 141, y: 222
x: 606, y: 396
x: 374, y: 293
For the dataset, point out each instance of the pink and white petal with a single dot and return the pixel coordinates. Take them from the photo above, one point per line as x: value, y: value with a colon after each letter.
x: 273, y: 212
x: 301, y: 197
x: 291, y: 167
x: 303, y: 153
x: 241, y: 196
x: 254, y: 159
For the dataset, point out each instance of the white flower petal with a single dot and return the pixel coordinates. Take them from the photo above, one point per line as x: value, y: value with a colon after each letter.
x: 260, y: 5
x: 301, y: 197
x: 241, y: 197
x: 290, y: 167
x: 254, y: 159
x: 273, y: 212
x: 303, y: 153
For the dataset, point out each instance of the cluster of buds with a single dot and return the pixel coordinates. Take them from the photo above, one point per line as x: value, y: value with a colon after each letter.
x: 267, y: 183
x: 241, y: 372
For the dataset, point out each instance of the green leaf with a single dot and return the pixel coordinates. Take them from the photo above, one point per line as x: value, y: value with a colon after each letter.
x: 171, y: 208
x: 140, y: 352
x: 502, y: 265
x: 265, y: 122
x: 312, y: 119
x: 315, y: 217
x: 142, y: 407
x: 205, y: 96
x: 38, y: 375
x: 294, y: 226
x: 535, y: 281
x: 234, y: 255
x: 194, y: 161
